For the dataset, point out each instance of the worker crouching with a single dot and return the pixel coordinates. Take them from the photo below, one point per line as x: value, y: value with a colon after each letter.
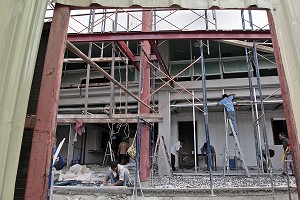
x: 117, y: 174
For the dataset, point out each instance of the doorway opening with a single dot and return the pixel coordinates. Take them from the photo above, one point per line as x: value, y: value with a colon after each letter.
x: 186, y: 133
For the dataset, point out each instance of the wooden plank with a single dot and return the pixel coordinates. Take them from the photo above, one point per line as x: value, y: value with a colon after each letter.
x: 249, y: 45
x: 103, y: 118
x: 99, y: 59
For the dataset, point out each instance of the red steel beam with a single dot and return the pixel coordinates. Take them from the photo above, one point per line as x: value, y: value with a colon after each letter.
x: 290, y: 120
x: 158, y: 56
x: 145, y: 132
x: 124, y: 48
x: 168, y: 35
x: 44, y: 130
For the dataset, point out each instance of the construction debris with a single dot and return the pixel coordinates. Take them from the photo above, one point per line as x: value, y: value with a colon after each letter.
x: 192, y: 181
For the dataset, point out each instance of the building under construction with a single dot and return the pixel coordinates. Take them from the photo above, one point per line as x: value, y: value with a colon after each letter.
x: 149, y: 73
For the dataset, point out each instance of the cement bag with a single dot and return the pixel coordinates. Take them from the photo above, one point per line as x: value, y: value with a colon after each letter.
x: 132, y: 149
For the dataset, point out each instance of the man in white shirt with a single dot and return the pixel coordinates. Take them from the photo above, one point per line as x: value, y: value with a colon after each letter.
x: 176, y: 149
x: 117, y: 174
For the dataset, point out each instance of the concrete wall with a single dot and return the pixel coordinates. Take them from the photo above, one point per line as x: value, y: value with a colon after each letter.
x: 93, y: 145
x: 217, y: 133
x: 62, y: 132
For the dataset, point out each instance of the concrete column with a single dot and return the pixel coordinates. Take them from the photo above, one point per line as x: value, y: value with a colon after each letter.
x: 42, y: 142
x: 164, y: 129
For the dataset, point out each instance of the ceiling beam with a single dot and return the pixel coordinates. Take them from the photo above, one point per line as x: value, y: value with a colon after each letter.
x: 248, y: 45
x: 104, y: 118
x: 168, y: 35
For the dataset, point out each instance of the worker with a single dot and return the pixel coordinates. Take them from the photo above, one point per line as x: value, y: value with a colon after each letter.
x: 205, y: 152
x: 176, y: 149
x: 122, y: 151
x: 117, y: 174
x: 228, y: 104
x: 286, y: 149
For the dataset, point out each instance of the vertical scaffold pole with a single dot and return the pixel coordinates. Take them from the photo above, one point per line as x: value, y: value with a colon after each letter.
x: 266, y: 146
x: 152, y: 152
x: 195, y: 136
x: 112, y: 72
x: 88, y: 67
x: 206, y: 118
x: 257, y: 146
x: 138, y: 132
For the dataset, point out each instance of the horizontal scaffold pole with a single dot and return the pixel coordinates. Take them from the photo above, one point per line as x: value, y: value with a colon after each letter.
x: 104, y: 118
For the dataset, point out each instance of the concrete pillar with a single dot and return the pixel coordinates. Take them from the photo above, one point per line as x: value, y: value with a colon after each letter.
x: 164, y: 129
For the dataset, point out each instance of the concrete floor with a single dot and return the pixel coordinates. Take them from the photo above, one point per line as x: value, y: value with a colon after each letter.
x: 184, y: 184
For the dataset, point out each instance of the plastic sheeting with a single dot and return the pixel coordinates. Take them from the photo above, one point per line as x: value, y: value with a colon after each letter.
x: 21, y: 26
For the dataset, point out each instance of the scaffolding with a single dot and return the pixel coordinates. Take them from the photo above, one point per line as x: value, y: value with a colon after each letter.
x: 120, y: 32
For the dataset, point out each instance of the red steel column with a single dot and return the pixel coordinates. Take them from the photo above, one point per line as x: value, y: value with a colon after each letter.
x: 290, y: 121
x: 145, y: 141
x: 42, y: 142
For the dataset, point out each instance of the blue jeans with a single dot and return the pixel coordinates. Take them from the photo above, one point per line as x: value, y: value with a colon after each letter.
x: 114, y: 179
x: 231, y: 115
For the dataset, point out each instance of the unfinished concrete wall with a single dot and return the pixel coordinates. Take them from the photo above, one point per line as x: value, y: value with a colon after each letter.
x: 217, y: 133
x: 92, y: 145
x: 164, y: 129
x: 62, y: 132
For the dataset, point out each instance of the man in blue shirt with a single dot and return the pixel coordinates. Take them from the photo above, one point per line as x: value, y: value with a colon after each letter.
x: 228, y: 104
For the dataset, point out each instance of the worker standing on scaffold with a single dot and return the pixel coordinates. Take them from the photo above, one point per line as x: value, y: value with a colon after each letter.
x: 228, y: 104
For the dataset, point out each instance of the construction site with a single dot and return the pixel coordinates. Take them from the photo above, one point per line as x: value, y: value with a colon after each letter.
x: 81, y: 80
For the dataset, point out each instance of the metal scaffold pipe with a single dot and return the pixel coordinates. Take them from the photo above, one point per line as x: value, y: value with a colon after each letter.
x: 251, y: 90
x: 206, y: 118
x: 90, y: 30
